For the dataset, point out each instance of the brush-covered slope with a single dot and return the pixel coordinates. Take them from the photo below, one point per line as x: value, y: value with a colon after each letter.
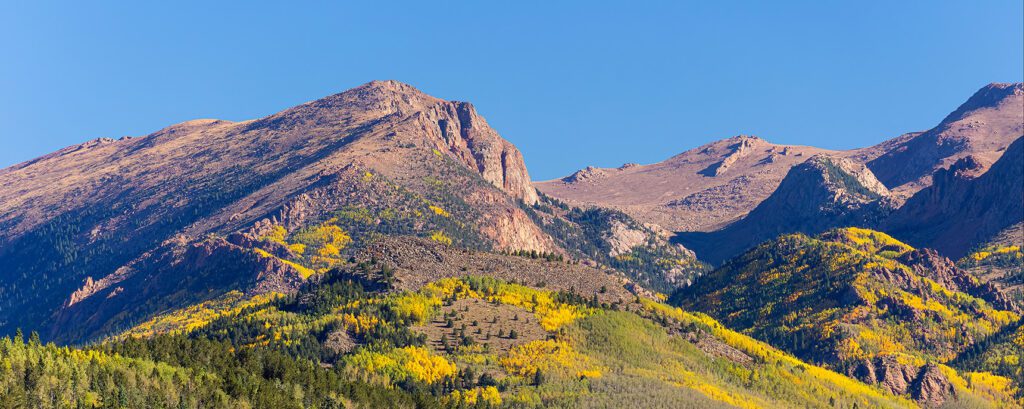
x: 819, y: 194
x: 859, y: 302
x: 961, y: 210
x: 999, y: 354
x: 1000, y: 261
x: 100, y: 235
x: 981, y: 127
x: 468, y: 341
x: 698, y: 190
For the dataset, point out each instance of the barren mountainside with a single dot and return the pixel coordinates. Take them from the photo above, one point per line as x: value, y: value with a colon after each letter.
x: 982, y: 127
x: 106, y: 233
x: 698, y: 190
x: 706, y: 188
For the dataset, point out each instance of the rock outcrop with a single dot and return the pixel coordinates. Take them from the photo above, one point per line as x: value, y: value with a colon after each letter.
x: 743, y: 147
x: 465, y: 135
x: 927, y: 385
x: 929, y: 263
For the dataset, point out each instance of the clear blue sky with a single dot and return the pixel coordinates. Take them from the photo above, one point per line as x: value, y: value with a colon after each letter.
x: 572, y: 84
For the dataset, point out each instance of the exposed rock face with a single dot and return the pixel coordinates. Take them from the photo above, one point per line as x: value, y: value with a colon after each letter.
x: 893, y: 376
x: 623, y: 239
x: 928, y: 263
x: 991, y: 119
x: 339, y: 341
x: 466, y: 136
x: 586, y: 174
x: 926, y: 385
x: 932, y: 388
x: 743, y: 147
x: 817, y: 195
x: 513, y: 230
x: 698, y: 190
x: 960, y: 211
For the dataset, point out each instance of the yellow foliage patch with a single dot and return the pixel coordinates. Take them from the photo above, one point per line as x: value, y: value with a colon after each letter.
x: 297, y: 248
x: 417, y: 307
x: 276, y: 234
x: 415, y: 363
x: 487, y: 394
x: 440, y: 237
x: 526, y: 359
x: 199, y: 315
x: 439, y: 211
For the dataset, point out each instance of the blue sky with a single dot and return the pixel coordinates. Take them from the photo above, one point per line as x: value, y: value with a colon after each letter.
x: 571, y: 83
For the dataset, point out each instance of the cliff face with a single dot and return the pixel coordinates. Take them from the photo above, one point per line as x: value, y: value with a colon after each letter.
x: 960, y: 210
x: 466, y: 135
x: 821, y: 193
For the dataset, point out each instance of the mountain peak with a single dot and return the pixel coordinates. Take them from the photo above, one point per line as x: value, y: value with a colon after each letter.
x: 989, y: 96
x: 984, y: 125
x: 372, y: 99
x: 388, y: 85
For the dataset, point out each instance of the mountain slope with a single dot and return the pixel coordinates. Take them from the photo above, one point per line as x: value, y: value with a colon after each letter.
x: 698, y: 190
x: 985, y: 124
x: 859, y: 302
x: 958, y: 211
x: 819, y: 194
x: 706, y: 188
x: 476, y: 338
x: 111, y: 209
x: 103, y: 234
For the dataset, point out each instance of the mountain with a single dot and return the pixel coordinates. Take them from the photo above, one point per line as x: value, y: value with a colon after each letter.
x: 707, y: 188
x: 981, y: 127
x: 382, y: 247
x: 100, y: 235
x: 698, y: 190
x: 859, y: 302
x: 819, y: 194
x: 960, y: 210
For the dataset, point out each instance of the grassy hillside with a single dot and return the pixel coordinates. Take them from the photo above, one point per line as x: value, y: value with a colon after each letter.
x: 855, y: 301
